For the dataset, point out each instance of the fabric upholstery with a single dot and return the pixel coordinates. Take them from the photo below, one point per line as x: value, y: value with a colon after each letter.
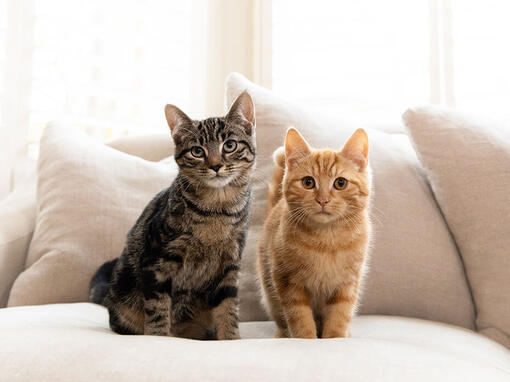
x: 17, y: 221
x: 88, y: 197
x: 414, y: 268
x: 72, y: 342
x: 467, y: 160
x: 152, y: 147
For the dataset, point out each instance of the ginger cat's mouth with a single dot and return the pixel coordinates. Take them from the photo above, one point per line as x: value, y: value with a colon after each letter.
x: 323, y: 217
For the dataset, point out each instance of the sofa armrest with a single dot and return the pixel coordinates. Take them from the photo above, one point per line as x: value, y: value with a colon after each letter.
x: 17, y: 222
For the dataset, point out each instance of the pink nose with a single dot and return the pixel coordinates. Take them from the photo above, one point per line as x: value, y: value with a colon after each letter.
x: 322, y: 202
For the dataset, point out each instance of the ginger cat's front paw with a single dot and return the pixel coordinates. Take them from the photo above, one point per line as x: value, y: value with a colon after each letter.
x: 309, y: 334
x: 281, y: 333
x: 336, y: 333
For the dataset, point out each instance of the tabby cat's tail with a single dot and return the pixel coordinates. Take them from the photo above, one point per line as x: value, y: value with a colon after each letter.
x: 100, y: 282
x: 275, y: 187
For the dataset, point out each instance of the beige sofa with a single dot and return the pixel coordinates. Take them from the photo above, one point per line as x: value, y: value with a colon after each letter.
x: 399, y: 336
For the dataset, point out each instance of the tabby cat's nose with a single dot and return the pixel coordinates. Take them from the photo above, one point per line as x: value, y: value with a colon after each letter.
x: 216, y: 167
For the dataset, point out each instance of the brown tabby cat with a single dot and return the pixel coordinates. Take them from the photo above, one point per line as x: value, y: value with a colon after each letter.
x: 313, y: 248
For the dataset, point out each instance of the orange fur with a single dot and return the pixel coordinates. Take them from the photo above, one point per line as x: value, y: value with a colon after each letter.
x: 314, y: 244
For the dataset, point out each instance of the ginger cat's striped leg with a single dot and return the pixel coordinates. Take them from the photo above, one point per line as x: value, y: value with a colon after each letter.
x: 298, y: 312
x: 274, y: 306
x: 276, y: 311
x: 271, y: 296
x: 339, y: 311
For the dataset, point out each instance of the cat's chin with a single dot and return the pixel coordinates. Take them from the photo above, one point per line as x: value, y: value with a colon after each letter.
x: 323, y: 218
x: 218, y: 182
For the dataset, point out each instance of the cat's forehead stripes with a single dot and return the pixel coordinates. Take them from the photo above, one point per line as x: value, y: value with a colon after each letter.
x: 325, y: 162
x: 211, y: 130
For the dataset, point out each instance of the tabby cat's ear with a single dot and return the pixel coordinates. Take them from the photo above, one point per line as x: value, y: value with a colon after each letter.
x: 356, y: 148
x: 295, y: 146
x: 176, y: 119
x: 242, y: 112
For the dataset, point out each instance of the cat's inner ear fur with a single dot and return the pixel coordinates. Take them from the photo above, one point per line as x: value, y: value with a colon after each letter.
x: 242, y: 112
x: 356, y: 148
x: 176, y: 119
x: 296, y: 146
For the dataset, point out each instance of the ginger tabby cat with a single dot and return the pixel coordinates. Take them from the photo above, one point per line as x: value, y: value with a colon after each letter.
x: 315, y: 240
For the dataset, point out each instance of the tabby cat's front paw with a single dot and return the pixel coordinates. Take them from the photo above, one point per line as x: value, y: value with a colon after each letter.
x: 229, y: 335
x: 234, y: 337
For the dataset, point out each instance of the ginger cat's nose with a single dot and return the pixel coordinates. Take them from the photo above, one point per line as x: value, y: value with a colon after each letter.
x: 322, y: 201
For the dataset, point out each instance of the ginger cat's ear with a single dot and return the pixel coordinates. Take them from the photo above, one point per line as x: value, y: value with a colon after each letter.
x: 242, y: 111
x: 176, y: 119
x: 295, y: 146
x: 356, y: 148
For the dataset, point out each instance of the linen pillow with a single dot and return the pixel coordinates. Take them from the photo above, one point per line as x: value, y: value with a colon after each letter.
x: 467, y: 161
x: 415, y: 269
x: 88, y: 197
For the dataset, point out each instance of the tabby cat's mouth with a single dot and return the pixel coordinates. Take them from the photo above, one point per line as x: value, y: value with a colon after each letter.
x: 218, y: 181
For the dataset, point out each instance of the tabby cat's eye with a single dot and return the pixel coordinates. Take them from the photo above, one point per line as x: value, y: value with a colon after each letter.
x: 340, y: 183
x: 197, y: 151
x: 230, y: 146
x: 308, y: 182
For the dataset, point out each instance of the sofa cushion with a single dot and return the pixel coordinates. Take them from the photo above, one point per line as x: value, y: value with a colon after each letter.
x: 414, y: 267
x: 153, y: 147
x: 17, y: 221
x: 88, y: 197
x: 467, y: 160
x: 72, y: 342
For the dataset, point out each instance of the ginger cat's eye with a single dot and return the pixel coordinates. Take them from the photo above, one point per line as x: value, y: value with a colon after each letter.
x: 308, y: 182
x: 340, y: 183
x: 197, y: 151
x: 230, y: 146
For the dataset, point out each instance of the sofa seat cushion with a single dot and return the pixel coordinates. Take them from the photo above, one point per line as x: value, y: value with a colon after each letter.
x: 72, y: 342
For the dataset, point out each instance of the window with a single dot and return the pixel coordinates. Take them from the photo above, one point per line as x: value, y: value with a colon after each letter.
x: 481, y: 46
x: 3, y: 41
x: 108, y: 68
x: 372, y: 59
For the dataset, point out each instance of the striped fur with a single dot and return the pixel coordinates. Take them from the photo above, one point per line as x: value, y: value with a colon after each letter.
x: 177, y: 275
x: 313, y: 247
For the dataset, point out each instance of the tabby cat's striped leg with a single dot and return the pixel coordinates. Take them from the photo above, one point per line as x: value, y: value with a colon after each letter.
x: 339, y: 311
x: 225, y: 306
x: 156, y: 306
